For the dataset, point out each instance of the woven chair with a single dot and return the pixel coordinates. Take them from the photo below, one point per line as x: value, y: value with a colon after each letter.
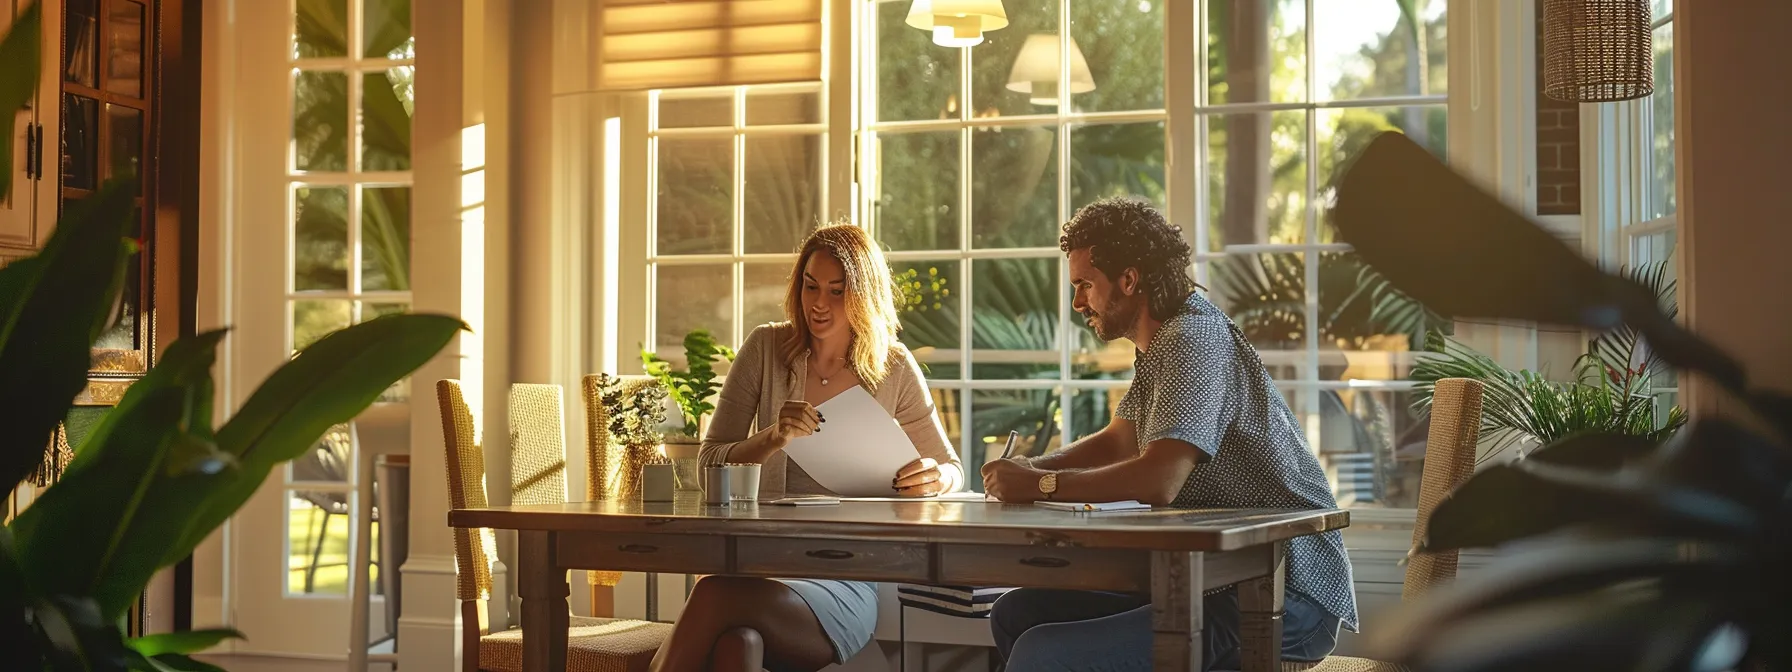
x: 603, y: 469
x: 593, y: 644
x: 1449, y: 460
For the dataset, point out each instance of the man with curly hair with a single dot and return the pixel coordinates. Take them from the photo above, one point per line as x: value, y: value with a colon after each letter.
x: 1202, y: 426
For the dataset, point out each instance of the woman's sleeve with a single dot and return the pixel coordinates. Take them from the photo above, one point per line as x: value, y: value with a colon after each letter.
x: 738, y: 404
x: 916, y: 414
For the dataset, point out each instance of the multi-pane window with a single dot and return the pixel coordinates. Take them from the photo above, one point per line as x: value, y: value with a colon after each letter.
x: 349, y: 181
x: 1652, y: 239
x: 977, y: 155
x: 737, y: 185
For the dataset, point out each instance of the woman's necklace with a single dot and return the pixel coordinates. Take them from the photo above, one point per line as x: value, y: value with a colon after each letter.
x: 825, y: 376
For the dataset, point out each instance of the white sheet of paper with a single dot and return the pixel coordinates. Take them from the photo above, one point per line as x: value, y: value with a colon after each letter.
x: 943, y: 497
x: 859, y: 448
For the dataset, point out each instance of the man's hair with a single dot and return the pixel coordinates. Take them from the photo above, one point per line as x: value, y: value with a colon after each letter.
x: 1122, y: 233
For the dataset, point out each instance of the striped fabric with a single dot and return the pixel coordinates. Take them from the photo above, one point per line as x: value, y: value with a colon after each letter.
x: 961, y: 601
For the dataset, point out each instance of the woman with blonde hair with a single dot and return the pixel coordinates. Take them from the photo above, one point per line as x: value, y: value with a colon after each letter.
x: 840, y: 334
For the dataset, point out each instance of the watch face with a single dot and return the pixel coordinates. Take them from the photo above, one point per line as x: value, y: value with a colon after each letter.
x: 1048, y: 483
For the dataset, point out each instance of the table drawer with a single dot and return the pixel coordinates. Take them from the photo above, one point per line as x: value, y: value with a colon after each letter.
x: 668, y: 553
x: 830, y: 559
x: 1038, y: 566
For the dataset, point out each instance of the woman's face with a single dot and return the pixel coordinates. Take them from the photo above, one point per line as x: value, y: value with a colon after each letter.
x: 824, y: 295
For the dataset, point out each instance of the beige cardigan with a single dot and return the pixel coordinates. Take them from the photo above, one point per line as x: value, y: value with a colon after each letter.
x: 761, y: 381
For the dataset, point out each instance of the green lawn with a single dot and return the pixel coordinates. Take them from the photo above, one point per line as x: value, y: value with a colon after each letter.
x: 304, y: 524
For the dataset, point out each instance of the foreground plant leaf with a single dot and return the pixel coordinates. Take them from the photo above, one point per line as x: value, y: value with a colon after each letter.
x: 327, y: 384
x: 192, y: 641
x: 1508, y: 502
x: 1461, y: 251
x: 20, y: 50
x: 1596, y: 452
x: 45, y: 342
x: 76, y: 538
x: 1626, y: 630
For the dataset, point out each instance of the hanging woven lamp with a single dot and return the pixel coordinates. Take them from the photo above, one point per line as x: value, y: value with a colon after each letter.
x: 1597, y: 51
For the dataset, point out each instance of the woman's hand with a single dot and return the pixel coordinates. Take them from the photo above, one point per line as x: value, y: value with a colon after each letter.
x: 920, y: 478
x: 796, y: 419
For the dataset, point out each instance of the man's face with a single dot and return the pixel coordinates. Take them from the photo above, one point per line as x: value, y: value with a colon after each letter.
x: 1110, y: 305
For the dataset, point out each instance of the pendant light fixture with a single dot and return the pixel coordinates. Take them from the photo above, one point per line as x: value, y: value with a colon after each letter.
x: 1035, y: 70
x: 1597, y: 51
x: 957, y: 23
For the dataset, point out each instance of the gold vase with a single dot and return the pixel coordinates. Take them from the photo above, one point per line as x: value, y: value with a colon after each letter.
x: 623, y: 483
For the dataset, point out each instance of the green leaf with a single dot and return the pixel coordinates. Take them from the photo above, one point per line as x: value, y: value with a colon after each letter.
x: 187, y: 363
x: 1621, y: 630
x: 67, y: 547
x: 45, y: 344
x: 15, y: 279
x: 20, y: 50
x: 174, y: 662
x: 192, y: 641
x: 1524, y: 499
x: 79, y: 637
x: 327, y: 384
x: 1596, y: 452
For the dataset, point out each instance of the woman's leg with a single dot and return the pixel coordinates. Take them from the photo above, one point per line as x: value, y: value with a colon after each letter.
x: 728, y: 608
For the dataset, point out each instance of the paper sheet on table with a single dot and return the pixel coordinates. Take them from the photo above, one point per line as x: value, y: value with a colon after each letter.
x: 942, y: 497
x: 858, y: 450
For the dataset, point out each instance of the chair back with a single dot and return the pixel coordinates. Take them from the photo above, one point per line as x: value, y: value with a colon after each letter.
x: 474, y: 549
x: 537, y: 444
x: 1449, y: 460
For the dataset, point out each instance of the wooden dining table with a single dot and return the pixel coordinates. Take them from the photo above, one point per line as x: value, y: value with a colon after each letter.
x: 1174, y: 555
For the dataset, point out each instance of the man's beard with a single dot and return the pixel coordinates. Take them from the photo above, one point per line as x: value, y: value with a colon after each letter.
x: 1114, y: 324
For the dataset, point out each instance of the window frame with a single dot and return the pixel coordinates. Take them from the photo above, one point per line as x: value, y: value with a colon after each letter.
x: 1185, y: 114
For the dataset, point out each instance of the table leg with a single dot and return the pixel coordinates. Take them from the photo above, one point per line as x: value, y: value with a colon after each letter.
x: 1260, y: 615
x: 545, y: 614
x: 1176, y: 612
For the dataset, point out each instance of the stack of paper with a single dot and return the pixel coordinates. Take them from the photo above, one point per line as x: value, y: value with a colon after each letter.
x: 1128, y: 505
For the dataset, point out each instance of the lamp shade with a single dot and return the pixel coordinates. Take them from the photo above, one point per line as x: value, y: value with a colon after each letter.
x: 957, y: 23
x: 1597, y: 51
x: 1035, y: 71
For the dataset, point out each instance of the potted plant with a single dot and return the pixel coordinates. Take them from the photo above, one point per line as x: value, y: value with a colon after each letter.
x: 154, y: 478
x: 1611, y: 389
x: 634, y: 415
x: 690, y: 389
x: 1636, y: 555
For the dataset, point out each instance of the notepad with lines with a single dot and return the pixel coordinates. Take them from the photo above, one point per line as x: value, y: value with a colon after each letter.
x: 1091, y: 507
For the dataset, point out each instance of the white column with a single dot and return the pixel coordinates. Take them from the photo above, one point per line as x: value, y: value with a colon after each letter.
x: 1731, y: 147
x: 448, y: 238
x: 1492, y: 126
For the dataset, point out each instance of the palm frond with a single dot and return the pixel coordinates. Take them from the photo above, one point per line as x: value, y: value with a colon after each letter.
x: 1623, y: 348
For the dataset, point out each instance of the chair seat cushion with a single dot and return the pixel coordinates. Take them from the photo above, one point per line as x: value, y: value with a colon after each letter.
x: 593, y: 645
x: 1348, y: 664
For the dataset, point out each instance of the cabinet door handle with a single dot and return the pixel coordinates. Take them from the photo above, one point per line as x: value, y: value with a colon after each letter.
x: 30, y: 152
x: 1045, y: 562
x: 637, y: 548
x: 830, y: 554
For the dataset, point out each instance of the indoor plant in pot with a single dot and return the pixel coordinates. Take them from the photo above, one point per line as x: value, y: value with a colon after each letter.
x: 691, y: 390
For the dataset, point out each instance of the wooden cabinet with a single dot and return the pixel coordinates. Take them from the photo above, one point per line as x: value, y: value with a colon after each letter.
x: 28, y: 213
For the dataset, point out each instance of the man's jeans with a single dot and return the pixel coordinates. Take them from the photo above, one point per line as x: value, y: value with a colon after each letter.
x: 1041, y: 630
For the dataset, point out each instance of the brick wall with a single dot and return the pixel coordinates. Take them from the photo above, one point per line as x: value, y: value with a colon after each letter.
x: 1558, y: 145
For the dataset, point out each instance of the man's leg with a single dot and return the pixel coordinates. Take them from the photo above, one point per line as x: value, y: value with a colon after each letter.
x: 1309, y: 632
x: 1026, y: 608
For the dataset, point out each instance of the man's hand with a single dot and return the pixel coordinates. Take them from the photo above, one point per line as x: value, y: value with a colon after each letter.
x: 1011, y: 481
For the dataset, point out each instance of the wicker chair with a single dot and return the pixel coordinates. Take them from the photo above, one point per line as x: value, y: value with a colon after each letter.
x: 594, y: 644
x: 1449, y: 460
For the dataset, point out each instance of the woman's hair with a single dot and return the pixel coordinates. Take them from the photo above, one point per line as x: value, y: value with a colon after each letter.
x: 870, y: 300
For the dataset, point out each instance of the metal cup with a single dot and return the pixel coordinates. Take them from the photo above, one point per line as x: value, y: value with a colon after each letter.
x: 716, y: 485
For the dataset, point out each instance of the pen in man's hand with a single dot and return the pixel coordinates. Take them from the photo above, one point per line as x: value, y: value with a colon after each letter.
x: 1009, y: 450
